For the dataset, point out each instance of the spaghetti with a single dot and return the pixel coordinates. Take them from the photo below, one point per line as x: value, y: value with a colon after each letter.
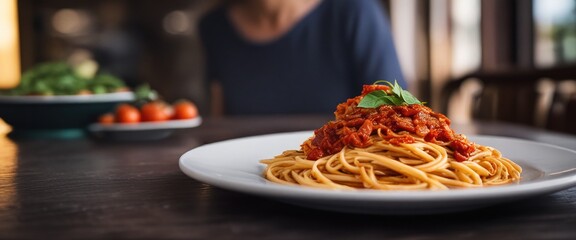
x: 390, y: 147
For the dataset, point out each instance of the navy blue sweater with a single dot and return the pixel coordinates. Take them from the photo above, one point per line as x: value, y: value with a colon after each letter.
x: 322, y: 61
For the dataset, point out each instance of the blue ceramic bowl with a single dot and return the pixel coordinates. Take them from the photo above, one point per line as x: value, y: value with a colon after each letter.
x: 57, y: 116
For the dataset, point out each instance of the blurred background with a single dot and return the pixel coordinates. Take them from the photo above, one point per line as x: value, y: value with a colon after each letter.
x: 453, y: 52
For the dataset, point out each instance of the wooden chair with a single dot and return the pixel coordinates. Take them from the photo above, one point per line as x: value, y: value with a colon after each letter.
x: 544, y: 98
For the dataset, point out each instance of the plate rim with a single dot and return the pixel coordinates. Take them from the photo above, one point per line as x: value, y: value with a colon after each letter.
x: 143, y: 126
x: 88, y: 98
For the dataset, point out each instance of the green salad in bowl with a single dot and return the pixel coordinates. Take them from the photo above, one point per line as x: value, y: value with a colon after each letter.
x: 62, y: 78
x: 57, y: 99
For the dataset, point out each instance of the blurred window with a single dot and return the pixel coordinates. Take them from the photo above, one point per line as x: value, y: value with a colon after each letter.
x: 554, y: 32
x: 466, y: 53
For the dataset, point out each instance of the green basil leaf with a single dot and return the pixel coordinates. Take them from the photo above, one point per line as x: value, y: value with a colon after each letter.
x: 394, y: 100
x: 396, y: 89
x: 409, y: 98
x: 373, y: 99
x: 396, y: 96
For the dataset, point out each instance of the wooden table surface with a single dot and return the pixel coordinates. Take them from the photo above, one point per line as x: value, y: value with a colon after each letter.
x: 99, y: 189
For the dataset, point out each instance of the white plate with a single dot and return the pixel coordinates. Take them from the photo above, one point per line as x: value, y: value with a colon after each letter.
x: 143, y: 130
x: 163, y: 125
x: 234, y: 165
x: 105, y: 97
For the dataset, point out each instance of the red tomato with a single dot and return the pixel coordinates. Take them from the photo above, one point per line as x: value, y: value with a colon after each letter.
x: 126, y: 113
x: 154, y: 112
x: 107, y: 118
x: 185, y: 109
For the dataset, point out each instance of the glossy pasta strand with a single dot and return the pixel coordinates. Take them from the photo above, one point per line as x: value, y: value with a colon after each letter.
x: 385, y: 166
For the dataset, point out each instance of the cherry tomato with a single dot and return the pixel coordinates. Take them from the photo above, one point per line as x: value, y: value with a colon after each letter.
x: 107, y: 118
x: 126, y: 113
x: 154, y: 111
x: 185, y: 109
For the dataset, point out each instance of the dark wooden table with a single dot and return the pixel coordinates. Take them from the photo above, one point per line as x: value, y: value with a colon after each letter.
x: 95, y: 189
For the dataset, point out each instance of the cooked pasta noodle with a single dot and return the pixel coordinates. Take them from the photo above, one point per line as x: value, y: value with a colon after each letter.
x: 419, y: 165
x: 368, y: 151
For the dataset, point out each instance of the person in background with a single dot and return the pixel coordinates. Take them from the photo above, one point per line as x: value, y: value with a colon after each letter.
x: 296, y: 56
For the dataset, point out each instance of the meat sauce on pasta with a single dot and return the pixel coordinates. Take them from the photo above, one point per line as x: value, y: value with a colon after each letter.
x: 354, y: 126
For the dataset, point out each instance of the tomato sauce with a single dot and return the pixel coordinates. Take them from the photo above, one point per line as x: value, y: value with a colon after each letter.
x: 354, y: 126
